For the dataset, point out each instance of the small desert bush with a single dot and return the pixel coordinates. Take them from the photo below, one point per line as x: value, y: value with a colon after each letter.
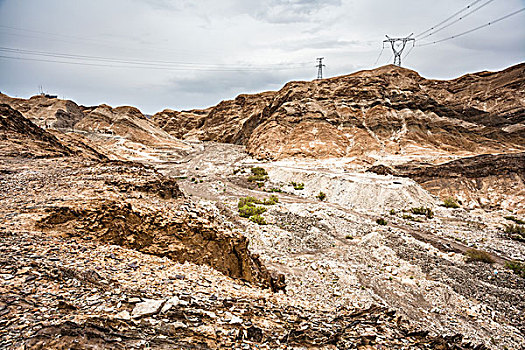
x: 297, y: 185
x: 250, y: 210
x: 257, y: 178
x: 423, y: 211
x: 274, y: 190
x: 515, y: 232
x: 392, y: 212
x: 450, y: 203
x: 517, y: 267
x: 250, y: 201
x: 258, y: 219
x: 271, y: 201
x: 259, y: 171
x: 321, y: 196
x: 478, y: 255
x: 515, y: 219
x: 381, y: 221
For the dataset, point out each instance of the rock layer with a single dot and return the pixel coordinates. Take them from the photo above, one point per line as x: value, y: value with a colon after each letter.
x: 20, y: 137
x: 389, y: 110
x: 181, y: 239
x: 487, y: 181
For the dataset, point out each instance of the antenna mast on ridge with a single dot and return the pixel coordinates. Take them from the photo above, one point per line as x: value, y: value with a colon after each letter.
x: 398, y: 45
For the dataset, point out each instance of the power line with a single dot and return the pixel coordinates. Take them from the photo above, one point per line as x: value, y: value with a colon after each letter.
x: 380, y: 53
x: 146, y: 64
x: 389, y: 58
x: 457, y: 20
x: 140, y: 67
x: 474, y: 29
x: 408, y: 52
x: 97, y: 42
x: 448, y: 19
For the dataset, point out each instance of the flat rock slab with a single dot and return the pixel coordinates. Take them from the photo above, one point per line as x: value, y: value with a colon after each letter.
x: 147, y: 308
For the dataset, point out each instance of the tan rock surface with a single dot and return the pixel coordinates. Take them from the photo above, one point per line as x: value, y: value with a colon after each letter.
x: 387, y: 111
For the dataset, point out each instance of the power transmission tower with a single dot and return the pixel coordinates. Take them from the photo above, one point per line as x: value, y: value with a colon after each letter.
x: 398, y: 45
x: 320, y: 66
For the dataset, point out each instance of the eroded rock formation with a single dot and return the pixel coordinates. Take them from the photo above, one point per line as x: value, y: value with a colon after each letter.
x: 20, y: 137
x: 389, y: 110
x: 180, y: 239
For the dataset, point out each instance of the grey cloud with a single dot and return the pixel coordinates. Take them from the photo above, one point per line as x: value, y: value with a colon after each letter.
x: 348, y: 33
x: 290, y: 11
x: 227, y: 82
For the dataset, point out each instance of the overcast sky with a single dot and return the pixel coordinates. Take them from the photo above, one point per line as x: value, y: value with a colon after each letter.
x: 193, y: 54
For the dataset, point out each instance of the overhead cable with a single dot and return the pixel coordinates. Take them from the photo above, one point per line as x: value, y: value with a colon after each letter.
x: 457, y: 20
x: 473, y: 29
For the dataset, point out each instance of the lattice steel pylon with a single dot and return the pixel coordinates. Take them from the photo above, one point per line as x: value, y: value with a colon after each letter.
x: 398, y: 45
x: 320, y: 66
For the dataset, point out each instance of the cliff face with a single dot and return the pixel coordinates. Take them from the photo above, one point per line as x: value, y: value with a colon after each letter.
x: 19, y: 137
x: 126, y: 122
x: 122, y: 133
x: 386, y: 111
x: 486, y: 181
x: 46, y: 112
x: 230, y: 121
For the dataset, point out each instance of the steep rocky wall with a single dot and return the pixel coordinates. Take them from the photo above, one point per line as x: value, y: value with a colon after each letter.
x: 20, y: 137
x: 181, y: 239
x: 45, y: 111
x: 491, y: 181
x: 389, y: 110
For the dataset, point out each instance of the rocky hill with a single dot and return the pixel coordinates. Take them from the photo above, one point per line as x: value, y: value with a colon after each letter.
x: 122, y: 133
x: 46, y: 111
x: 389, y: 111
x: 377, y: 210
x: 19, y: 137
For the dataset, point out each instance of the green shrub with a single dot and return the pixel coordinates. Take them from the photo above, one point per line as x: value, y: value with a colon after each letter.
x: 321, y: 196
x: 381, y: 221
x: 408, y: 217
x: 392, y: 212
x: 349, y: 237
x: 450, y: 203
x: 517, y: 267
x: 249, y: 210
x: 257, y: 178
x: 274, y: 190
x: 297, y: 185
x: 515, y: 232
x: 478, y: 255
x: 271, y: 201
x: 250, y: 201
x: 258, y: 219
x: 259, y: 171
x: 515, y: 219
x: 423, y: 211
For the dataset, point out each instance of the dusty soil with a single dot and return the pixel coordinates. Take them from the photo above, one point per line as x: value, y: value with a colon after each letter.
x: 82, y: 248
x: 114, y: 234
x: 335, y: 255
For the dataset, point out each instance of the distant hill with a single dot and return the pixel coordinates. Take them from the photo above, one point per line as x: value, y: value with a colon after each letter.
x: 385, y: 111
